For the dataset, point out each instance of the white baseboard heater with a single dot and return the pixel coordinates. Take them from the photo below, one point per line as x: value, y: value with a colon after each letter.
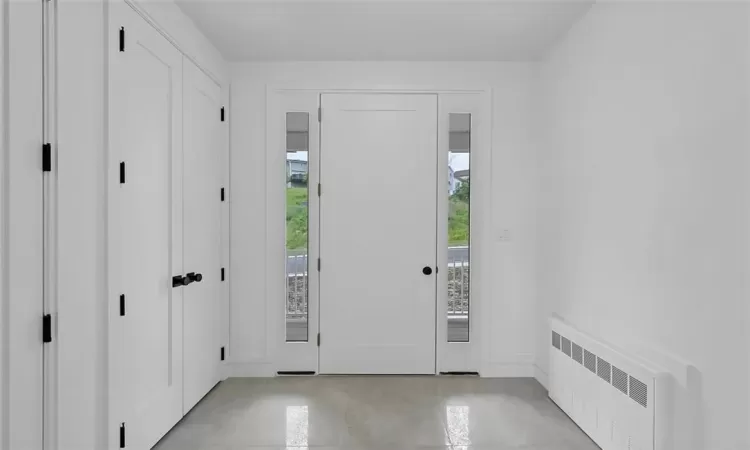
x: 618, y: 400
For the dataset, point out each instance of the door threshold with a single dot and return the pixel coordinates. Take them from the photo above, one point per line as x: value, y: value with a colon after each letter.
x: 295, y: 373
x: 460, y: 374
x: 381, y: 375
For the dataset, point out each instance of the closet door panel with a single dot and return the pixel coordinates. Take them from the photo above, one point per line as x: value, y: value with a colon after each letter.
x: 202, y: 239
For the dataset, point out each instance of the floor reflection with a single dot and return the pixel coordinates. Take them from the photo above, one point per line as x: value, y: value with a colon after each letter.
x: 297, y: 427
x: 457, y: 418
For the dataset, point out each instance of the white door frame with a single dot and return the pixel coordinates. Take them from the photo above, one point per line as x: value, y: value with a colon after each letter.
x: 22, y: 225
x: 450, y: 357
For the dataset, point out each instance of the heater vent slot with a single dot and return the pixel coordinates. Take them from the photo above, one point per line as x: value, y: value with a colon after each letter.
x: 639, y: 391
x: 577, y: 354
x: 566, y: 346
x: 589, y: 361
x: 556, y: 340
x: 620, y: 380
x: 604, y: 370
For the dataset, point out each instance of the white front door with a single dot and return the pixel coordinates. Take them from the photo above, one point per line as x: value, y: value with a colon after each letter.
x: 202, y: 233
x: 146, y: 183
x: 378, y: 233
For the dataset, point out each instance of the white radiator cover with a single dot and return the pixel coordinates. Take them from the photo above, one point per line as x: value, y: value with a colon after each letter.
x: 620, y: 401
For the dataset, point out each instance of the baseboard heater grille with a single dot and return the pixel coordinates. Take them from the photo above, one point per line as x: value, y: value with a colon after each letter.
x: 610, y: 395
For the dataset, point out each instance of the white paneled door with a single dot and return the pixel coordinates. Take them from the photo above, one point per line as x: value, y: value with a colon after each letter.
x: 378, y: 233
x: 201, y: 233
x: 146, y: 140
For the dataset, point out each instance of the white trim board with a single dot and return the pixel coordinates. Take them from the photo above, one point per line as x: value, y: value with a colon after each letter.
x: 541, y: 376
x: 218, y: 75
x: 248, y: 370
x: 481, y: 223
x: 380, y: 89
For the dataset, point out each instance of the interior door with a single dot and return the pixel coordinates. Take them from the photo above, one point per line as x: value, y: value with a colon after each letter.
x: 202, y: 233
x: 146, y: 184
x: 378, y: 233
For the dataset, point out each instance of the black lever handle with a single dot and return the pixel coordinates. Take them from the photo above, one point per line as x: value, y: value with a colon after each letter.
x: 193, y: 277
x: 178, y: 280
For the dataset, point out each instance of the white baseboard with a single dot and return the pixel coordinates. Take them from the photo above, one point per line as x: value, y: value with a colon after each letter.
x: 248, y: 370
x: 508, y: 370
x: 490, y: 370
x: 541, y: 376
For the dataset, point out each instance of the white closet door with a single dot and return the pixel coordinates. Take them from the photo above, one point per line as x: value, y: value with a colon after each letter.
x: 146, y: 180
x: 202, y: 232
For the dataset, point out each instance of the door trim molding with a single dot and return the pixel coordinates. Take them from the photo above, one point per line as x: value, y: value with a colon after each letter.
x: 481, y: 230
x: 162, y: 30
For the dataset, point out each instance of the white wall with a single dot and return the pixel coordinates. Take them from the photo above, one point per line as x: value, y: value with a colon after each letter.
x: 81, y: 191
x: 510, y: 350
x: 643, y: 159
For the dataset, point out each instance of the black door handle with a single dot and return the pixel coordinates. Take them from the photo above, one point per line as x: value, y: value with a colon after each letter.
x: 427, y: 270
x: 178, y: 280
x: 193, y: 277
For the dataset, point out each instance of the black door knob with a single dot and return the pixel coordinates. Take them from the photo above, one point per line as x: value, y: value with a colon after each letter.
x: 193, y: 277
x: 427, y: 270
x: 178, y: 280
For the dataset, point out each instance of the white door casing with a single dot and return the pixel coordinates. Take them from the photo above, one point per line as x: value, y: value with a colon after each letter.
x: 377, y: 233
x: 202, y: 303
x: 22, y: 296
x: 145, y: 218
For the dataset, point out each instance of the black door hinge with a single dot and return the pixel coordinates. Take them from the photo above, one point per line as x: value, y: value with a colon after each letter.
x: 222, y: 114
x: 222, y: 274
x: 318, y: 264
x: 320, y: 114
x: 320, y: 189
x: 122, y: 435
x: 222, y: 353
x: 47, y: 328
x: 318, y: 339
x: 122, y: 39
x: 222, y: 194
x: 47, y: 158
x: 122, y: 172
x: 122, y: 304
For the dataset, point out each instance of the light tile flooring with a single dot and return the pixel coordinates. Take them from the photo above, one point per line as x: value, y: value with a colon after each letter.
x: 395, y: 413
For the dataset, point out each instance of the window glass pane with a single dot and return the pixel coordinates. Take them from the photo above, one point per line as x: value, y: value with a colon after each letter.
x: 297, y: 194
x: 459, y: 157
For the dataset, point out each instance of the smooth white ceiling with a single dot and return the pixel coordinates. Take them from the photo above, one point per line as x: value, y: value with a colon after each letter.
x: 382, y: 30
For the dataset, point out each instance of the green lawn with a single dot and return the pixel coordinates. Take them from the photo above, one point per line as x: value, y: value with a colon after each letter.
x: 296, y: 218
